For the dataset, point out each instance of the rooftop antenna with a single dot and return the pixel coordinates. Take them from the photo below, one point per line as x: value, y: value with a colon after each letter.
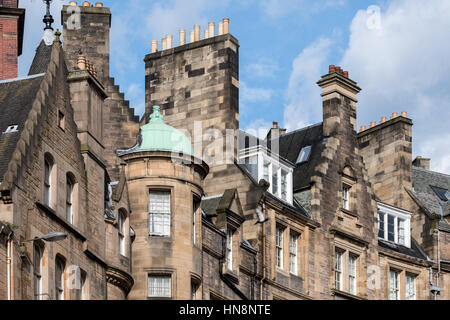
x: 48, y: 20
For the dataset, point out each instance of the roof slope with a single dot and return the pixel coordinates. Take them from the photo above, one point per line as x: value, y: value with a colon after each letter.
x: 292, y: 143
x: 423, y: 181
x: 415, y: 251
x: 41, y: 59
x: 16, y: 100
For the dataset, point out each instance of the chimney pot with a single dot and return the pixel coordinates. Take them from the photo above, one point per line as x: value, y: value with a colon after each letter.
x: 332, y: 68
x: 99, y: 4
x: 275, y: 124
x: 404, y: 114
x: 206, y: 33
x: 154, y: 46
x: 197, y: 32
x: 373, y: 124
x: 191, y: 36
x: 182, y: 37
x: 211, y: 29
x: 226, y: 25
x: 383, y: 120
x: 346, y: 74
x: 73, y: 3
x: 394, y: 115
x: 220, y: 28
x: 86, y: 4
x: 363, y: 128
x: 164, y: 44
x: 169, y: 39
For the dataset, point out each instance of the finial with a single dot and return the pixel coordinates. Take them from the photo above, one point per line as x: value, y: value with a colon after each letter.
x: 57, y: 36
x: 48, y: 19
x: 156, y: 115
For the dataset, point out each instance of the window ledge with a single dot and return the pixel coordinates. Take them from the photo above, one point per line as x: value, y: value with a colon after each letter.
x: 336, y: 292
x: 350, y: 213
x: 52, y: 213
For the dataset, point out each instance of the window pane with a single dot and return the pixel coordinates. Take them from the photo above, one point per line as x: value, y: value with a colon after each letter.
x: 279, y: 247
x: 352, y: 274
x: 304, y: 154
x: 293, y: 239
x: 275, y: 180
x: 394, y: 286
x: 410, y: 287
x: 283, y: 184
x: 381, y: 225
x: 338, y: 270
x: 391, y: 225
x: 401, y: 231
x: 159, y: 209
x: 266, y: 171
x: 159, y: 286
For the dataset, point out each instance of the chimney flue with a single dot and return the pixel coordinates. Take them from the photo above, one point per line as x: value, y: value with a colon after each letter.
x: 226, y: 25
x: 191, y: 36
x: 373, y: 124
x: 404, y: 114
x: 182, y: 37
x: 332, y: 68
x: 394, y: 115
x: 383, y: 120
x: 154, y: 46
x: 169, y: 39
x: 363, y: 128
x: 197, y: 32
x: 220, y: 28
x: 275, y: 124
x: 211, y: 29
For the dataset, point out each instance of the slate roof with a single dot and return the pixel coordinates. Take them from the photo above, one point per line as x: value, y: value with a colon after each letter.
x: 415, y: 251
x: 423, y: 181
x: 16, y: 99
x: 293, y: 142
x: 41, y: 59
x: 210, y: 204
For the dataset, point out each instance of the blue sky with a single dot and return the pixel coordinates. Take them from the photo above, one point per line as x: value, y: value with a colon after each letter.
x: 399, y: 60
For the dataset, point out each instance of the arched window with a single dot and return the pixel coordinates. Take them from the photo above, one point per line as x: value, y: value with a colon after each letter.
x: 121, y: 224
x: 60, y: 266
x: 70, y: 187
x: 48, y: 179
x: 37, y: 270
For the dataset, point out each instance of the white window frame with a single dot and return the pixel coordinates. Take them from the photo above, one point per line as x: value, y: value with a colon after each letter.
x: 159, y: 221
x: 121, y: 230
x: 346, y: 196
x: 394, y: 285
x: 38, y: 254
x: 159, y: 286
x: 293, y: 253
x: 230, y: 249
x: 60, y: 290
x: 338, y: 270
x: 70, y: 186
x: 352, y: 273
x: 411, y: 290
x: 274, y: 163
x: 398, y: 215
x: 279, y: 246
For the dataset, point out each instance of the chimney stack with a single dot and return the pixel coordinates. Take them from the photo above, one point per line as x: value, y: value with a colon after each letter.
x: 423, y: 163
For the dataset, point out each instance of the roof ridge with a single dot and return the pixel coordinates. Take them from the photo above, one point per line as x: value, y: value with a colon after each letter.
x: 22, y: 78
x: 303, y: 129
x: 430, y: 171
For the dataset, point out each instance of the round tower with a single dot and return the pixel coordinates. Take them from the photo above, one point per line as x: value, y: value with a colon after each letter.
x: 165, y: 188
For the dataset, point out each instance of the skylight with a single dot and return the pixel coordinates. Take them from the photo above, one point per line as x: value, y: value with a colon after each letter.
x: 304, y: 154
x: 443, y: 194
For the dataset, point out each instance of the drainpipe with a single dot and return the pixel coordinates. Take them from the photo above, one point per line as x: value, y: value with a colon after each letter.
x: 263, y: 251
x: 224, y: 279
x: 9, y: 260
x: 255, y: 271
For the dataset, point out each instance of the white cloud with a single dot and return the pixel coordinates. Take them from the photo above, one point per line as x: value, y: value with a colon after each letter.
x: 259, y: 128
x: 404, y: 66
x: 262, y: 68
x: 249, y: 94
x: 303, y: 95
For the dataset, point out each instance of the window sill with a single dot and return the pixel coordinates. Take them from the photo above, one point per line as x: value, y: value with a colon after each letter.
x: 336, y: 292
x: 350, y: 213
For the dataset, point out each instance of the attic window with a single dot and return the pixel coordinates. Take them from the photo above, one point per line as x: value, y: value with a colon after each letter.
x: 12, y: 129
x: 443, y: 194
x: 304, y: 154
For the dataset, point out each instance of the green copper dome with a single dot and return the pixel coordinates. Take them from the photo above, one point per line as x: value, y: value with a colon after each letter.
x: 158, y: 136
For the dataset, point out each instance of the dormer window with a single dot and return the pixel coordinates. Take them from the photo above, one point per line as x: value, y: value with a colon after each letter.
x: 304, y: 154
x: 277, y: 171
x: 394, y: 225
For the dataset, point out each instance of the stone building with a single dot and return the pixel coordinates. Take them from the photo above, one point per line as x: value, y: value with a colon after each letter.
x: 181, y: 204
